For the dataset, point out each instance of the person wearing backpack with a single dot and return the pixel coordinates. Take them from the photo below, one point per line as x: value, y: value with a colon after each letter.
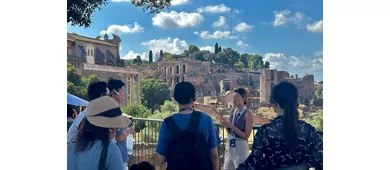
x: 188, y: 139
x: 286, y: 142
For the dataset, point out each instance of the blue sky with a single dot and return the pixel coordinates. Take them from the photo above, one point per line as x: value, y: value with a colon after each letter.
x: 286, y: 33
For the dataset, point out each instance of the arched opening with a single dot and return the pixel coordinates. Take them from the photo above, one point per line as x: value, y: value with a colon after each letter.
x: 184, y: 69
x: 177, y: 80
x: 165, y: 70
x: 177, y: 69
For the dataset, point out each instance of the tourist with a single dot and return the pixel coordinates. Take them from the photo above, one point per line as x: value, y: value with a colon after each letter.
x: 117, y: 89
x: 285, y: 141
x: 95, y: 90
x: 239, y: 127
x: 70, y: 115
x: 92, y: 148
x: 142, y: 166
x: 188, y: 139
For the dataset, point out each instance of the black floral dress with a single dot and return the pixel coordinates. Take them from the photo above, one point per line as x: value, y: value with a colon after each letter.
x: 271, y: 151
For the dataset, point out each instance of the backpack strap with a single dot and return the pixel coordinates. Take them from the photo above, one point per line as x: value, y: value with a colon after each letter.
x: 194, y: 121
x: 103, y: 156
x: 174, y: 130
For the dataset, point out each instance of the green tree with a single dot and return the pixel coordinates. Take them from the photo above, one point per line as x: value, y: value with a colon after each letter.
x: 239, y: 65
x: 169, y: 106
x: 245, y: 58
x: 79, y: 12
x: 256, y: 62
x: 138, y: 111
x: 209, y: 57
x: 192, y: 48
x: 185, y: 54
x: 150, y: 56
x: 153, y: 93
x: 78, y: 85
x: 168, y: 56
x: 232, y: 56
x: 266, y: 65
x: 316, y: 120
x: 321, y: 82
x: 197, y: 55
x: 216, y: 49
x: 162, y: 55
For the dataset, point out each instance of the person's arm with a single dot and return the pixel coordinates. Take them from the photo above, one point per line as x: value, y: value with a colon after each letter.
x: 213, y: 143
x: 162, y: 144
x: 256, y: 156
x: 248, y: 126
x: 124, y: 135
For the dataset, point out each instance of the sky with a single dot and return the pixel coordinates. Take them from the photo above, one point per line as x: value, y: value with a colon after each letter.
x: 287, y: 33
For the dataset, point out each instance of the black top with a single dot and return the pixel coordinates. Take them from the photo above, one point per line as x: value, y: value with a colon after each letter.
x: 272, y: 151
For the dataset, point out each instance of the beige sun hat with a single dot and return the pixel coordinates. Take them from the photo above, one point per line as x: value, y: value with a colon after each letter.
x: 105, y: 112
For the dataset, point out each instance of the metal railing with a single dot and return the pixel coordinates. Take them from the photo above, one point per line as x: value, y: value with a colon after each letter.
x: 145, y: 141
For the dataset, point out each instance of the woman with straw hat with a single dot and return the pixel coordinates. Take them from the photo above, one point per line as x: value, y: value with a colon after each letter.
x: 92, y: 148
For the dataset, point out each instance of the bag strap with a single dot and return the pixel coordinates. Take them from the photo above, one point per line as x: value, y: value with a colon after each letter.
x: 103, y: 156
x: 194, y: 121
x: 174, y: 130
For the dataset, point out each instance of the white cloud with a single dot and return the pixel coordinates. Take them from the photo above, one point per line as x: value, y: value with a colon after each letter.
x: 221, y: 23
x: 132, y: 55
x: 196, y: 32
x: 175, y: 46
x: 120, y: 48
x: 236, y: 11
x: 318, y: 53
x: 241, y: 44
x: 283, y: 17
x: 217, y: 35
x: 243, y: 27
x: 207, y: 48
x: 214, y: 9
x: 315, y: 27
x: 123, y: 29
x: 177, y: 20
x: 296, y: 65
x: 179, y: 2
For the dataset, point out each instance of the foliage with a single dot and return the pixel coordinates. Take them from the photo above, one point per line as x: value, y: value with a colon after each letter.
x: 321, y: 82
x: 217, y: 49
x: 169, y: 106
x: 78, y: 85
x: 239, y: 65
x: 150, y: 56
x: 136, y: 110
x: 316, y: 120
x: 192, y: 49
x: 79, y: 12
x: 318, y: 97
x: 137, y: 60
x: 256, y: 62
x: 266, y: 65
x: 153, y: 93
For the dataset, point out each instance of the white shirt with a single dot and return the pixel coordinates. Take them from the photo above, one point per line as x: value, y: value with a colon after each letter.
x: 73, y: 130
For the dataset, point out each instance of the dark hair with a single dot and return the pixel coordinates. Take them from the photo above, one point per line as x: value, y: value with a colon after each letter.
x: 69, y: 111
x: 285, y: 95
x: 115, y: 84
x: 97, y: 89
x: 243, y: 93
x: 88, y: 134
x: 142, y: 166
x: 184, y: 93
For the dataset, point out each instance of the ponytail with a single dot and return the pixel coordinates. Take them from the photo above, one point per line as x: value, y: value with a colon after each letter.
x: 290, y: 122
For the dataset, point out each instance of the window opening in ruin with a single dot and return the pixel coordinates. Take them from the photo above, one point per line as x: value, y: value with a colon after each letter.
x: 177, y: 69
x: 184, y: 68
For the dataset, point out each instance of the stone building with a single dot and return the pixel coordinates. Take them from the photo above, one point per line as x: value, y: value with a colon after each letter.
x: 271, y: 77
x: 101, y: 57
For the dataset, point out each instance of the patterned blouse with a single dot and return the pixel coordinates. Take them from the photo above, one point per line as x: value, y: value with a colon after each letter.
x: 272, y: 151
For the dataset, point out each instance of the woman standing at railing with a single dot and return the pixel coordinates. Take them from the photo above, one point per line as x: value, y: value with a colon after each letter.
x: 285, y: 142
x: 239, y: 127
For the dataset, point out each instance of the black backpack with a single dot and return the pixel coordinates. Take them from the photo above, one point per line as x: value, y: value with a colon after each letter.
x: 188, y: 149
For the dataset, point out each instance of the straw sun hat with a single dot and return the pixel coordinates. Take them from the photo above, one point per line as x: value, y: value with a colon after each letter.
x: 105, y: 112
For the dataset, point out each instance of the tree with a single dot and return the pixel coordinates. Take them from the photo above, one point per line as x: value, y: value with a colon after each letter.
x: 79, y: 12
x: 209, y: 57
x: 266, y: 65
x: 197, y: 55
x: 316, y: 120
x: 185, y: 54
x: 168, y: 56
x: 219, y: 49
x: 232, y: 56
x: 239, y: 65
x: 150, y: 56
x: 78, y: 85
x: 321, y: 82
x: 161, y: 55
x: 137, y: 60
x: 192, y: 49
x: 296, y: 76
x: 153, y: 93
x: 245, y: 58
x: 216, y: 49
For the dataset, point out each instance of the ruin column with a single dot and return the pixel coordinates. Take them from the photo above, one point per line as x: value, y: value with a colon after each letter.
x: 131, y: 88
x: 138, y: 89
